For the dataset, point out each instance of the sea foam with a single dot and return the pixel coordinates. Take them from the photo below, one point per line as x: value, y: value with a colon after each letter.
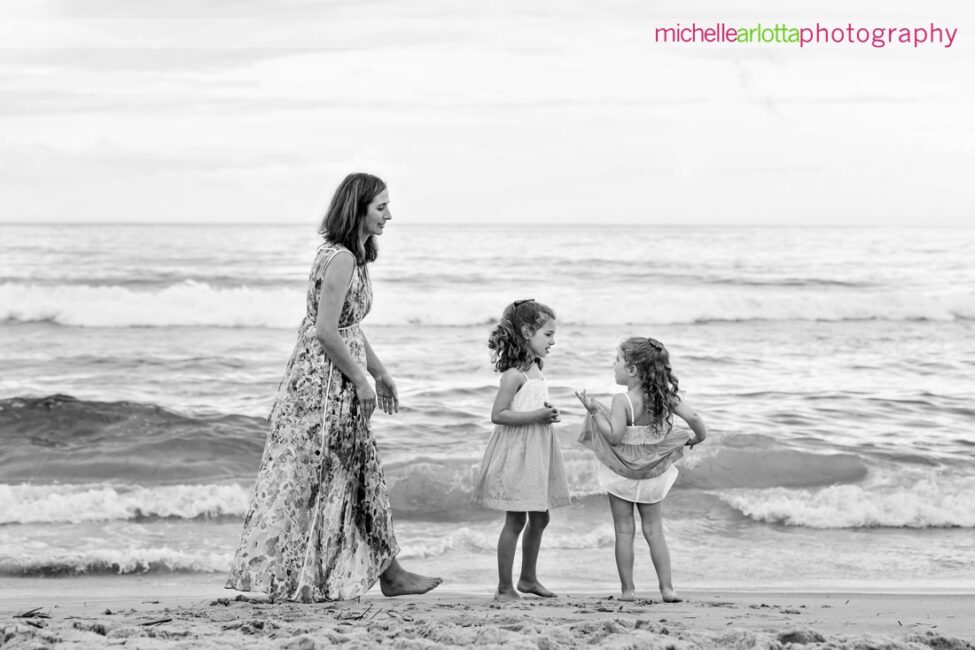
x: 119, y: 561
x: 421, y: 489
x: 931, y: 503
x: 486, y: 541
x: 25, y: 504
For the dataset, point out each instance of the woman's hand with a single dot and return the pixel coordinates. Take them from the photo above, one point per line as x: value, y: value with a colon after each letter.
x: 386, y: 391
x: 367, y: 399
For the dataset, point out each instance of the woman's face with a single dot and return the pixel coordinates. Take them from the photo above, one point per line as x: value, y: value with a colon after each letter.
x: 377, y: 214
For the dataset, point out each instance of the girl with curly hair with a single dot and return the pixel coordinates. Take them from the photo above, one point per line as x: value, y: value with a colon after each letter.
x: 522, y: 472
x: 637, y: 446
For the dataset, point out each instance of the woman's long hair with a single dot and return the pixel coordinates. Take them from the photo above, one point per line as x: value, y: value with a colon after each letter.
x: 652, y: 363
x: 349, y: 203
x: 509, y: 347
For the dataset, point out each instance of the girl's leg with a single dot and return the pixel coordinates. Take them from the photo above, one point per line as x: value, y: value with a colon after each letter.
x: 397, y: 581
x: 623, y: 525
x: 528, y: 582
x: 651, y: 515
x: 507, y: 543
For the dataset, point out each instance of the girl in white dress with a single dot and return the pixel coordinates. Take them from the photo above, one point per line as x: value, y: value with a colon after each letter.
x: 636, y: 445
x: 522, y: 471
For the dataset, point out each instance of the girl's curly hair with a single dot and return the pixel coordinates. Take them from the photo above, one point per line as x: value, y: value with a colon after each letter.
x: 508, y: 345
x: 652, y: 362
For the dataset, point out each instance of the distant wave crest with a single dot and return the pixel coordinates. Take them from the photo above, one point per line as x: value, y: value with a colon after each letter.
x: 119, y: 561
x: 931, y: 503
x: 430, y: 491
x: 68, y: 460
x: 200, y: 304
x: 25, y: 504
x: 188, y: 303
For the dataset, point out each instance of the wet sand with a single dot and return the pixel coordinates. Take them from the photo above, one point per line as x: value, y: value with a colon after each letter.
x: 155, y: 612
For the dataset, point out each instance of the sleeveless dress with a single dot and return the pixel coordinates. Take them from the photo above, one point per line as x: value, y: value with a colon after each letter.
x: 522, y: 469
x: 319, y: 525
x: 639, y: 469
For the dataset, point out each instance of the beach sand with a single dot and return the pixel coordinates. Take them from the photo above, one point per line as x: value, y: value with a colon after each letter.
x: 195, y: 612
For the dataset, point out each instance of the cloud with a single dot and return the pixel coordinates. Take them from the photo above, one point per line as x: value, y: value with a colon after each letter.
x: 192, y: 101
x: 145, y: 59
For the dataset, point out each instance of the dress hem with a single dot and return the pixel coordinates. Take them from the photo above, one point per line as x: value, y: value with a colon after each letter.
x: 256, y: 585
x: 521, y: 506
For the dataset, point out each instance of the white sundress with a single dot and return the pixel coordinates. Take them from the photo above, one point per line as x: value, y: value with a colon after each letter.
x: 646, y: 490
x: 522, y: 469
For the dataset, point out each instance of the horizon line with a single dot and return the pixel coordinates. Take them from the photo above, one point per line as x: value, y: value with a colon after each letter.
x: 479, y: 224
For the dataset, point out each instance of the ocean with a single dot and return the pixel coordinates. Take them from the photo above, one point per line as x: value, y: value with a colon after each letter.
x: 833, y: 366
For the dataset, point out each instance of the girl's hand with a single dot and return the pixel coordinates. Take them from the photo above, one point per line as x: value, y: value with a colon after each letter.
x: 367, y: 399
x: 693, y: 441
x: 548, y: 414
x: 588, y: 402
x: 386, y: 392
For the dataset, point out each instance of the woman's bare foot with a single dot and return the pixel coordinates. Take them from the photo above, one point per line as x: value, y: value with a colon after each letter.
x: 670, y: 596
x: 508, y: 594
x: 534, y: 587
x: 397, y: 581
x: 628, y: 595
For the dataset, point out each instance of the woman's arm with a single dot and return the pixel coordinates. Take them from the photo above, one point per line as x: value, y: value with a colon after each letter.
x: 335, y: 285
x: 373, y: 364
x: 687, y: 413
x: 501, y: 413
x: 385, y: 386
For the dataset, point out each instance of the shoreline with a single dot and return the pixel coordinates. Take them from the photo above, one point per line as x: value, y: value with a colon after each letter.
x: 160, y: 611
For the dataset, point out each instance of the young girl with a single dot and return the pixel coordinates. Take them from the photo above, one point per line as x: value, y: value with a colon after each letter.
x: 522, y: 471
x: 637, y: 447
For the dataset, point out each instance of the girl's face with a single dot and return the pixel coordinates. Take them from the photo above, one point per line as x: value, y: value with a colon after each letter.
x: 543, y: 339
x: 377, y: 214
x: 621, y: 371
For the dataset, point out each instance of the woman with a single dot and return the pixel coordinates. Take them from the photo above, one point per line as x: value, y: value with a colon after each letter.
x: 319, y: 525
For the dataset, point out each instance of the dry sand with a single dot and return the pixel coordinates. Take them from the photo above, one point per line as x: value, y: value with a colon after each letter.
x: 99, y: 612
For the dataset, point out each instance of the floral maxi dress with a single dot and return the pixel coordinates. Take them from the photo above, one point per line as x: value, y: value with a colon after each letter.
x: 319, y: 525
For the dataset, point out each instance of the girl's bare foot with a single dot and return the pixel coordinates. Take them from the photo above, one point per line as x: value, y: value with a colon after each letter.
x: 628, y: 595
x: 534, y: 587
x: 507, y: 594
x: 670, y: 596
x: 400, y: 582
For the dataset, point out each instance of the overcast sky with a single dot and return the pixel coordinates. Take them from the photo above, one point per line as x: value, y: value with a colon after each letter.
x: 561, y: 111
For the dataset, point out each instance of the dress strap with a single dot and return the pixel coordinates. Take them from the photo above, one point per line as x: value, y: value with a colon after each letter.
x: 333, y: 247
x: 631, y: 420
x: 329, y: 246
